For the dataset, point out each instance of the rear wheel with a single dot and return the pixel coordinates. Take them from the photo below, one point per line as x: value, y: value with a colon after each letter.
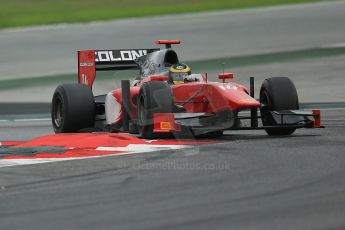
x: 277, y: 93
x: 73, y: 108
x: 154, y: 97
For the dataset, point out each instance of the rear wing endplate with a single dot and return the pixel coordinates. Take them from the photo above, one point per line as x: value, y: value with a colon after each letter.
x: 90, y: 61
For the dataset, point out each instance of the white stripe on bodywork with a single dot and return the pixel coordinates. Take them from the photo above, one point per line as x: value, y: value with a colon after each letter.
x: 113, y: 109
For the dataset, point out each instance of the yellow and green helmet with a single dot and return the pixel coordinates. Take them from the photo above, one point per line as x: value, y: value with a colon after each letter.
x: 178, y: 73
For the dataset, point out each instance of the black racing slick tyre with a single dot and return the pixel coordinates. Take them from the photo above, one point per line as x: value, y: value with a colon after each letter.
x: 154, y: 97
x: 277, y: 93
x: 73, y: 108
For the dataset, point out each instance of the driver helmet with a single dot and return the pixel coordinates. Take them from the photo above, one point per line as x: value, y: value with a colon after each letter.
x: 178, y: 73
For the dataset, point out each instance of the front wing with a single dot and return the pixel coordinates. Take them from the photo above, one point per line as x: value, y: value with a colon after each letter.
x: 202, y: 123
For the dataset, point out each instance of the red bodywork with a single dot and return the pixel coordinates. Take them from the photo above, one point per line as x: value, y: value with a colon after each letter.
x: 195, y: 97
x: 205, y: 97
x: 317, y: 121
x: 86, y: 67
x: 209, y: 97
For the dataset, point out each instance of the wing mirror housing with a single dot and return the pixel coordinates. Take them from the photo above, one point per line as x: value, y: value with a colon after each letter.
x: 223, y: 76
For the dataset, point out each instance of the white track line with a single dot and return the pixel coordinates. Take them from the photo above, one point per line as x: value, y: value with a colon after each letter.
x: 25, y: 120
x: 130, y: 149
x: 134, y: 148
x: 334, y: 45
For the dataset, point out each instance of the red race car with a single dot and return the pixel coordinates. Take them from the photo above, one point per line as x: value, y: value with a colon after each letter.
x: 166, y: 98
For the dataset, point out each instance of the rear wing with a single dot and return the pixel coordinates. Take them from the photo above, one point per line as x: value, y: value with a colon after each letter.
x: 90, y: 61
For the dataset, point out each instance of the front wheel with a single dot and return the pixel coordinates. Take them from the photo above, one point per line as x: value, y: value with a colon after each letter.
x: 277, y: 93
x: 154, y: 97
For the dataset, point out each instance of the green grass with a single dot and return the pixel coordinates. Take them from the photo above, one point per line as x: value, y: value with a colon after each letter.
x: 15, y: 13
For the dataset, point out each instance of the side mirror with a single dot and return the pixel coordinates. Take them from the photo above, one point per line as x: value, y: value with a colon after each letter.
x: 158, y: 78
x: 223, y: 76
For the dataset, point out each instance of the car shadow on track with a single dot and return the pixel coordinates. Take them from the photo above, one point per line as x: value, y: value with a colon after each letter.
x: 232, y: 137
x: 236, y: 137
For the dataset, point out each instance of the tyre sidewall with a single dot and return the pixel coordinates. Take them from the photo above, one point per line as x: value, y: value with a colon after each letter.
x: 79, y: 107
x: 156, y: 97
x: 281, y: 95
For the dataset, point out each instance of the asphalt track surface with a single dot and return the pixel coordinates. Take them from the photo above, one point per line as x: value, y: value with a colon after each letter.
x: 247, y: 181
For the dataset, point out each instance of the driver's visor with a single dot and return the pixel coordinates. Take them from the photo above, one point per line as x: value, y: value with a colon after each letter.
x: 178, y: 77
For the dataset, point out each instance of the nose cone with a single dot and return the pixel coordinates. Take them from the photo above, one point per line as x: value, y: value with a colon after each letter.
x: 236, y: 97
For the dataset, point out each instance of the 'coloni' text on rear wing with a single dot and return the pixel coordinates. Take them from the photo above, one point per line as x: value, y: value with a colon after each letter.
x: 90, y: 61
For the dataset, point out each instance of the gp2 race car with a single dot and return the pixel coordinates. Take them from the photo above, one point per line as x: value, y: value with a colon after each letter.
x: 155, y: 107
